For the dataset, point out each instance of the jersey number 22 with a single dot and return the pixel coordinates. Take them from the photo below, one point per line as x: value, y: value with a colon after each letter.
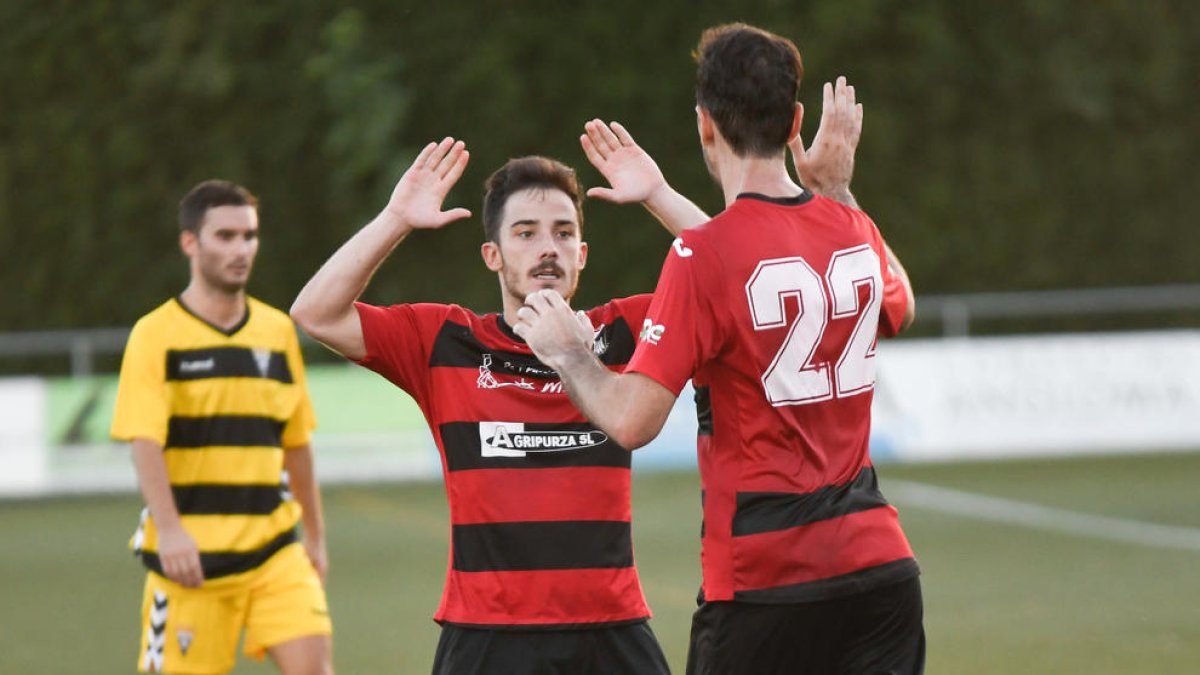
x: 794, y: 378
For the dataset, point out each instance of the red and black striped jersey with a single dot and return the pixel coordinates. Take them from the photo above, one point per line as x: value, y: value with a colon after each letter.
x: 539, y: 498
x: 773, y: 309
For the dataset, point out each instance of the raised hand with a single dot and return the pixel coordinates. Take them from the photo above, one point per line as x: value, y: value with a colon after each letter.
x: 631, y: 172
x: 828, y: 165
x: 417, y: 198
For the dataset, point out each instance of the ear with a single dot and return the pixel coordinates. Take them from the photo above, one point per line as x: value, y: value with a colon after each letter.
x: 188, y: 243
x: 583, y: 249
x: 797, y: 118
x: 705, y: 126
x: 491, y: 256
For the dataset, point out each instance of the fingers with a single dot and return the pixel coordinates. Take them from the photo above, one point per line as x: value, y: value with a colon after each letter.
x: 604, y: 139
x: 606, y: 194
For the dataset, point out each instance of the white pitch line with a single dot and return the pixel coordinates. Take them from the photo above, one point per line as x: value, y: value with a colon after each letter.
x: 996, y: 509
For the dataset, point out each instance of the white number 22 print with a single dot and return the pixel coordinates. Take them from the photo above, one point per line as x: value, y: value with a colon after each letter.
x: 794, y: 378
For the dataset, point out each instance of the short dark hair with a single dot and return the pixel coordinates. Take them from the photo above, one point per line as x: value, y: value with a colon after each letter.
x: 748, y: 80
x: 208, y: 195
x: 523, y: 173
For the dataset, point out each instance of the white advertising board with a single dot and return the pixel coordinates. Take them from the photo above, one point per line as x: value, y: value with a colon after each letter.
x: 1049, y: 394
x: 22, y: 435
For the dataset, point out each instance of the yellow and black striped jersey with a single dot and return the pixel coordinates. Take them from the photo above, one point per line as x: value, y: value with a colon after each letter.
x: 223, y: 405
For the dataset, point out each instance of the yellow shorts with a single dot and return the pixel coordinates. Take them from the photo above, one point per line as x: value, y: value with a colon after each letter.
x: 196, y: 630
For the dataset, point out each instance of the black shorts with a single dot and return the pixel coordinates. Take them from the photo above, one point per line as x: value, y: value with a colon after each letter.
x: 629, y: 648
x: 878, y: 632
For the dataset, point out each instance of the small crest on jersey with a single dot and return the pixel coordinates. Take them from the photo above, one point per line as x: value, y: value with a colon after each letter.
x: 599, y: 340
x: 184, y: 636
x: 511, y: 439
x: 262, y: 359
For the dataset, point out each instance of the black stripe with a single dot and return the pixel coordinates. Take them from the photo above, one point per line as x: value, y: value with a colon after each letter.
x: 252, y: 500
x: 566, y: 545
x: 200, y: 432
x: 620, y: 341
x: 464, y: 447
x: 201, y: 364
x: 704, y: 415
x: 457, y: 347
x: 847, y: 584
x: 771, y: 511
x: 216, y: 565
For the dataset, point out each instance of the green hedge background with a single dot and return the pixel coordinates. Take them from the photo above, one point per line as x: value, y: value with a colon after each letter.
x: 1007, y: 145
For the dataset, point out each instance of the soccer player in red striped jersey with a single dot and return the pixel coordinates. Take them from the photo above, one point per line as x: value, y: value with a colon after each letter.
x: 541, y: 575
x: 773, y: 309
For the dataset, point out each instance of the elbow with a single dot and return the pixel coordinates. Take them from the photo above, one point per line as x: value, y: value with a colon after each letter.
x: 630, y: 438
x: 306, y: 317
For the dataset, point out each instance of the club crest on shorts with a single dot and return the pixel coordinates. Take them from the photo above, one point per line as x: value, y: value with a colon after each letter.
x: 184, y: 636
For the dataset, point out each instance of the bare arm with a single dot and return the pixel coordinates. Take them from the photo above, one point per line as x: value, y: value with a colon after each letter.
x: 910, y: 312
x: 177, y: 551
x: 635, y: 177
x: 631, y: 408
x: 827, y: 167
x: 325, y: 306
x: 302, y: 478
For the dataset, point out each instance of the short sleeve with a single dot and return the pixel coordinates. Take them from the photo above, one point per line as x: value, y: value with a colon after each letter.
x: 398, y: 341
x: 895, y: 294
x: 298, y: 429
x: 142, y: 408
x: 680, y: 332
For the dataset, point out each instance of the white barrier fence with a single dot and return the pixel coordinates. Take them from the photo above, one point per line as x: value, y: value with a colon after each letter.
x: 939, y: 399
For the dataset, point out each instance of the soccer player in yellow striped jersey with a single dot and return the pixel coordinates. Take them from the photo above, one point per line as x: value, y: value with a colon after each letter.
x: 212, y: 398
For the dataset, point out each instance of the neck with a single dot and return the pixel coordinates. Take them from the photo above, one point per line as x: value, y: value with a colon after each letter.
x: 763, y: 175
x: 220, y: 308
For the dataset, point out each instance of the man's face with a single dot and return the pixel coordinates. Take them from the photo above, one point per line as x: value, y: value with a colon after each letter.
x: 223, y: 251
x: 539, y: 244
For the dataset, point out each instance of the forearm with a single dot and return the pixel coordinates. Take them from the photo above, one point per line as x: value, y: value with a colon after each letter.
x: 676, y: 212
x: 630, y: 408
x: 302, y: 478
x: 154, y: 483
x: 325, y: 306
x: 838, y: 193
x: 897, y: 268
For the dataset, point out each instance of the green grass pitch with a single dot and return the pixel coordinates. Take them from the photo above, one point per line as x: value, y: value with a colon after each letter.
x: 999, y: 597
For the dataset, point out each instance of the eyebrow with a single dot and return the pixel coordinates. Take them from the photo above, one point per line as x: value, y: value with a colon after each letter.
x: 530, y: 221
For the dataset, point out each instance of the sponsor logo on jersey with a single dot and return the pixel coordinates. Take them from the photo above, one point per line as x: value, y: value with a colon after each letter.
x: 651, y: 332
x: 487, y: 380
x: 511, y: 439
x: 198, y: 366
x: 683, y: 251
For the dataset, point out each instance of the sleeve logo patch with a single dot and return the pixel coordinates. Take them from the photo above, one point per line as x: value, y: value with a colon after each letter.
x: 652, y: 332
x: 683, y: 251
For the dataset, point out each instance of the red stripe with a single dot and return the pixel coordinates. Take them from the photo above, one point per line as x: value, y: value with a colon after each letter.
x: 520, y: 495
x: 821, y: 550
x: 545, y: 597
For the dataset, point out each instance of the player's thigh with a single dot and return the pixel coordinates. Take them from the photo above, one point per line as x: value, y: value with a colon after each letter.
x: 309, y: 655
x: 189, y: 630
x: 885, y: 632
x: 630, y: 650
x: 287, y: 602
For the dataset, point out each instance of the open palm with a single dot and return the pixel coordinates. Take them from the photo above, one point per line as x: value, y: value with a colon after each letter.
x: 418, y: 197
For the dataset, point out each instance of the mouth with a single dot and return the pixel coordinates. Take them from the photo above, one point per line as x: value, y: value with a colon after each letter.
x: 547, y: 272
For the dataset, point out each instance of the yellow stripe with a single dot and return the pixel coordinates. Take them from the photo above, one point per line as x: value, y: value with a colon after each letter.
x: 223, y: 465
x: 232, y: 534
